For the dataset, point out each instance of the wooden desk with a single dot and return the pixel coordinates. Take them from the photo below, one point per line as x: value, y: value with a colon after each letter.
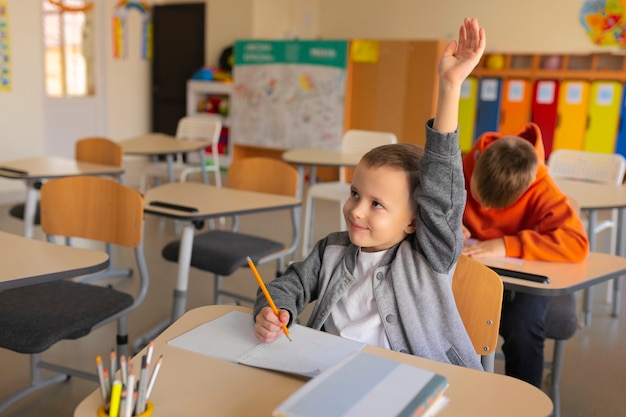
x: 154, y: 144
x: 593, y: 197
x: 194, y: 385
x: 29, y: 261
x: 318, y: 157
x: 211, y: 202
x: 37, y: 169
x: 564, y: 277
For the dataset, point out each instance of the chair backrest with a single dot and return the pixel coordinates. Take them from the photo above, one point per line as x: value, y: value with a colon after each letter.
x: 99, y: 150
x: 361, y: 141
x: 92, y: 208
x: 478, y: 294
x: 199, y: 128
x: 587, y: 166
x: 266, y: 175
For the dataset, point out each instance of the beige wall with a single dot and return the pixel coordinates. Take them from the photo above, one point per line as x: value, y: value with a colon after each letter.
x: 520, y: 26
x: 512, y: 26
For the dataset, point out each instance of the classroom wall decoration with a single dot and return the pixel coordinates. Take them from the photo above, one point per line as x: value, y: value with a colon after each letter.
x: 289, y: 94
x: 120, y: 28
x: 5, y: 48
x: 605, y: 21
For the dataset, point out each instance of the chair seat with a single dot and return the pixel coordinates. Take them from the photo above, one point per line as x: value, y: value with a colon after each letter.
x: 17, y: 211
x: 228, y: 250
x: 561, y: 320
x: 34, y: 317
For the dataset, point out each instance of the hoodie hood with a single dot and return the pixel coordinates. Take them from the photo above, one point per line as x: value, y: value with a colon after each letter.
x: 529, y: 132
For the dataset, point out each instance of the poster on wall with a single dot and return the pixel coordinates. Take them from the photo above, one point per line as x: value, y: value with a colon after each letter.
x: 120, y: 28
x: 289, y: 94
x: 5, y: 48
x: 604, y: 21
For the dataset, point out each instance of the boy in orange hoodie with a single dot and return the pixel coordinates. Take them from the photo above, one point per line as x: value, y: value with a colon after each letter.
x: 515, y: 209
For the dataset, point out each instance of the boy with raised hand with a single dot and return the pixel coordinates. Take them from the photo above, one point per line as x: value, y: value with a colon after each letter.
x: 387, y: 281
x: 515, y: 209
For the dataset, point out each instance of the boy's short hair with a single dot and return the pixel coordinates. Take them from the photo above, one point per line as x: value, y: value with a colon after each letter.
x: 405, y: 157
x: 504, y: 171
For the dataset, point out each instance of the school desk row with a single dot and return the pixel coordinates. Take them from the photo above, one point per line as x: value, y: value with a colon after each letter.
x: 33, y: 171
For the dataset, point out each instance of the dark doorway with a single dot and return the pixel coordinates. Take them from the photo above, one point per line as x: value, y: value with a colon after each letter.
x: 178, y: 35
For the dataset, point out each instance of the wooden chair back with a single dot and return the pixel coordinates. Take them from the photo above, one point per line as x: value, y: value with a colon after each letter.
x: 478, y: 294
x: 266, y: 175
x: 92, y: 208
x: 98, y: 150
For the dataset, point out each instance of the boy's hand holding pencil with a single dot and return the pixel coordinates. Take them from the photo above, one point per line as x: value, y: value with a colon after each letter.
x: 270, y: 322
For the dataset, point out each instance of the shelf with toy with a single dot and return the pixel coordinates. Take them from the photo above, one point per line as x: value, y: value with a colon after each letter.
x: 212, y: 98
x: 597, y: 66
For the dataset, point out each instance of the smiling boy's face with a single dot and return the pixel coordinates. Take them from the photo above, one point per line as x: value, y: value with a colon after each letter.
x: 379, y: 212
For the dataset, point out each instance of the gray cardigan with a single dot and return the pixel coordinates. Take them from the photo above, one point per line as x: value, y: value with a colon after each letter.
x: 413, y: 283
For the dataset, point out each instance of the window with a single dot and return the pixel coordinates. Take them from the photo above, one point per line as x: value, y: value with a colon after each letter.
x: 68, y: 48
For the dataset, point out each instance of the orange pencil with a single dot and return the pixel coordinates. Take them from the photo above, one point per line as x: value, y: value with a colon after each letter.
x: 266, y: 293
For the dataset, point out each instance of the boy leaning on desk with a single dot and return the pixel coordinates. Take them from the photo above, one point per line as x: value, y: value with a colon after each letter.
x: 387, y: 281
x: 515, y: 209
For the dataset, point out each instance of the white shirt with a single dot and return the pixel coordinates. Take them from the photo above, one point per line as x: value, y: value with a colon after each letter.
x: 355, y: 316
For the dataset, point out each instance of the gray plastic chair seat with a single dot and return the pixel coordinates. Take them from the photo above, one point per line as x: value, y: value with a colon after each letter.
x: 17, y: 211
x: 35, y: 317
x: 223, y: 252
x: 561, y: 320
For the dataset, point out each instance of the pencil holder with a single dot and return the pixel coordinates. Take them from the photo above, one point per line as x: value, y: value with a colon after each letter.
x: 102, y: 412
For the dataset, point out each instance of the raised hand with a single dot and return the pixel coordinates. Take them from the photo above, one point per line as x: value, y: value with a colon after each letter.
x: 461, y: 57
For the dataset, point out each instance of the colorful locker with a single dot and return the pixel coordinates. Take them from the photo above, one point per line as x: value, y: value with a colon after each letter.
x: 543, y: 110
x: 572, y: 113
x: 620, y: 147
x: 515, y: 108
x: 604, y: 110
x: 467, y: 113
x: 488, y: 119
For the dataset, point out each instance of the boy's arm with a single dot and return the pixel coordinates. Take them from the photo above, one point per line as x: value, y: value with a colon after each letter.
x: 559, y: 235
x: 441, y: 193
x: 458, y: 60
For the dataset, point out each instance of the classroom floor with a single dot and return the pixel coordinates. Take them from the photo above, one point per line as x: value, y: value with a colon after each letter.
x: 594, y: 376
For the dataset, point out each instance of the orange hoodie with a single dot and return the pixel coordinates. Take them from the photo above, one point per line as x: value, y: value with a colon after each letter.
x: 541, y: 224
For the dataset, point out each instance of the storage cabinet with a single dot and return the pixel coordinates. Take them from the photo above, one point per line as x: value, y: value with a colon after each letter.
x: 206, y: 97
x: 576, y: 98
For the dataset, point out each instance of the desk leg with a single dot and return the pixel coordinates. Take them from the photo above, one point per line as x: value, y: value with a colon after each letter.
x: 621, y: 249
x: 170, y: 167
x: 180, y: 292
x: 184, y: 261
x: 588, y: 292
x: 205, y: 174
x: 30, y: 207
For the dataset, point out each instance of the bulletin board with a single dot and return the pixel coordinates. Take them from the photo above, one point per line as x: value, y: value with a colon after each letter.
x: 289, y: 94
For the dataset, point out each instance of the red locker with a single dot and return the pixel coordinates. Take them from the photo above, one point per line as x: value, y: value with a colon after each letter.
x: 544, y: 110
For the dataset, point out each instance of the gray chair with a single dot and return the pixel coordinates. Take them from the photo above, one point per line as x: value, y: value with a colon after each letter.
x: 35, y: 317
x: 561, y: 325
x: 222, y: 252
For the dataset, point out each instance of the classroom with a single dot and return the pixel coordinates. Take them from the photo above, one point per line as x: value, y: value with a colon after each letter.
x: 34, y: 124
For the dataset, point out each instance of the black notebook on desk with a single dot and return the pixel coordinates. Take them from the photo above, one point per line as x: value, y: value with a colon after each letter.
x: 231, y: 338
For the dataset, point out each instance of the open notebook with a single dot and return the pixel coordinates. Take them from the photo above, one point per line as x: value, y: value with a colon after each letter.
x: 231, y: 338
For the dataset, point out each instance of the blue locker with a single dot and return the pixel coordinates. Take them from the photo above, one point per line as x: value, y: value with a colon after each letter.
x: 620, y: 146
x: 489, y: 97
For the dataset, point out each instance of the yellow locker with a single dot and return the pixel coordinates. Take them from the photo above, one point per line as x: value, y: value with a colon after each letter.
x: 604, y: 111
x: 467, y: 113
x: 572, y: 111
